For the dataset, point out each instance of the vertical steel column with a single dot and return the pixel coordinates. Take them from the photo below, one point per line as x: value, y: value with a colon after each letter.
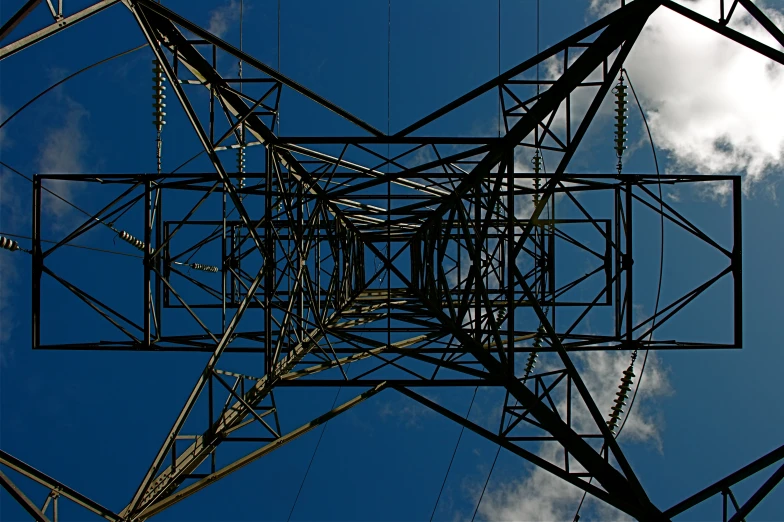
x: 618, y: 307
x: 269, y: 275
x: 317, y: 278
x: 38, y: 262
x: 159, y: 263
x: 628, y: 262
x: 510, y: 262
x: 300, y: 246
x: 477, y: 261
x: 224, y: 260
x: 737, y: 260
x: 211, y: 418
x: 147, y: 264
x: 549, y: 231
x: 166, y: 265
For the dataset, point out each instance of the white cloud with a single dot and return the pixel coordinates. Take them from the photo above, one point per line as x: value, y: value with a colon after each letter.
x: 602, y: 371
x: 11, y: 220
x: 543, y: 496
x: 222, y: 18
x: 405, y: 411
x: 603, y: 7
x: 62, y: 150
x: 712, y: 104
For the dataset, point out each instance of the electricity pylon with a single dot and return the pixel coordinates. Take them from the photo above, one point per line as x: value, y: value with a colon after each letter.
x: 382, y: 261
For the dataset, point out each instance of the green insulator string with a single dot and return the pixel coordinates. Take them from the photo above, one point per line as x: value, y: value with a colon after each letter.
x: 620, y: 120
x: 621, y: 395
x: 537, y: 345
x: 537, y: 164
x: 621, y: 117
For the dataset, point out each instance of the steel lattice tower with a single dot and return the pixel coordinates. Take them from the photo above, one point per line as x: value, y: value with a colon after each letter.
x: 374, y: 261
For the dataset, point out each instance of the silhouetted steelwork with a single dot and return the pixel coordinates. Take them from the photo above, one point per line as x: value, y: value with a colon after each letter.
x: 56, y: 490
x: 417, y: 260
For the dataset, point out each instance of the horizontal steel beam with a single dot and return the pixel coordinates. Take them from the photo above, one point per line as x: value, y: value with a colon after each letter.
x: 727, y: 482
x: 723, y: 30
x: 573, y: 479
x: 170, y: 15
x: 17, y: 17
x: 55, y: 28
x: 758, y: 495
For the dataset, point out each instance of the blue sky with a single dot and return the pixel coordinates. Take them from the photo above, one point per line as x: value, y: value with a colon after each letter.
x: 95, y: 420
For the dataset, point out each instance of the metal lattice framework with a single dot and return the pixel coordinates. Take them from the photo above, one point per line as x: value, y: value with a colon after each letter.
x: 378, y: 261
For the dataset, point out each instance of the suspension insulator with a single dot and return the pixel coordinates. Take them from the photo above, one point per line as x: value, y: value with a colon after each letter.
x: 620, y: 119
x: 204, y: 268
x: 157, y: 95
x: 136, y: 243
x: 536, y: 161
x: 620, y: 400
x: 530, y: 364
x: 241, y: 160
x: 538, y: 339
x: 537, y: 344
x: 9, y: 244
x: 241, y: 166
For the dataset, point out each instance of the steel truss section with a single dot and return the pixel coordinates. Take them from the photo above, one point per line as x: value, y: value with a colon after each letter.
x: 723, y: 487
x: 337, y: 262
x: 56, y: 490
x: 405, y: 261
x: 61, y: 22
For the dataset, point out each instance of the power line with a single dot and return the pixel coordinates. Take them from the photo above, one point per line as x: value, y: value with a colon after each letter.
x: 457, y: 444
x: 46, y: 189
x: 484, y: 488
x: 389, y: 66
x: 313, y: 456
x: 498, y: 450
x: 624, y: 72
x: 57, y: 84
x: 661, y: 249
x: 277, y: 120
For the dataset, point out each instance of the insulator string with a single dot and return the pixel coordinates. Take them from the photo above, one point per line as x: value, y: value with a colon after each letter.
x: 625, y: 73
x: 71, y: 245
x: 620, y: 120
x: 10, y: 245
x: 198, y: 266
x: 158, y: 104
x: 241, y: 149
